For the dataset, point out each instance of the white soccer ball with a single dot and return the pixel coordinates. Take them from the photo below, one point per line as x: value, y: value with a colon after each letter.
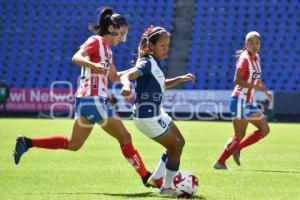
x: 185, y: 184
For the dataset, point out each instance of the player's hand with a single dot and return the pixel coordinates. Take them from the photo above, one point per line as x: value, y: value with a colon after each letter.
x: 100, y: 68
x: 260, y: 88
x: 126, y: 91
x: 269, y: 95
x: 188, y: 77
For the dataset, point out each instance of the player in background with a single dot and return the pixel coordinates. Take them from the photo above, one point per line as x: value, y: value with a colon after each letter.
x: 148, y: 115
x: 247, y: 80
x: 91, y: 99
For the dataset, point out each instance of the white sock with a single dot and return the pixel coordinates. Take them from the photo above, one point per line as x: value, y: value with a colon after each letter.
x: 159, y: 170
x: 171, y: 171
x: 169, y: 178
x: 161, y: 167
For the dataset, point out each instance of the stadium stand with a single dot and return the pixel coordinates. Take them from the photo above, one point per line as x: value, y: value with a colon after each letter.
x: 38, y: 38
x: 219, y: 30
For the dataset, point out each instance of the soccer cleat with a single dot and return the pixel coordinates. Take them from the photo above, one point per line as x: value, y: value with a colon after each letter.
x: 20, y: 148
x: 146, y: 178
x: 168, y: 192
x: 155, y: 183
x: 236, y: 157
x: 218, y: 165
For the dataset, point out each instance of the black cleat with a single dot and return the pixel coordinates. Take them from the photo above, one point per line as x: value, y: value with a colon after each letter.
x: 145, y: 179
x: 20, y: 148
x: 236, y: 157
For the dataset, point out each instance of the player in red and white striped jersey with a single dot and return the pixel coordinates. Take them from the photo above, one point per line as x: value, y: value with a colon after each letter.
x: 247, y: 80
x: 91, y: 82
x: 91, y: 103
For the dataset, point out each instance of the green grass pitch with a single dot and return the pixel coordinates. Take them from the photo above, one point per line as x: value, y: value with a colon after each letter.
x: 270, y: 169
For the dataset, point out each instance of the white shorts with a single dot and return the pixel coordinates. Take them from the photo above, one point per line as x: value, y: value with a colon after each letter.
x: 154, y: 127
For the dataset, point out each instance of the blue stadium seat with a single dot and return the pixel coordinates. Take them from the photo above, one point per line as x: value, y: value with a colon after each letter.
x: 40, y: 37
x: 219, y: 30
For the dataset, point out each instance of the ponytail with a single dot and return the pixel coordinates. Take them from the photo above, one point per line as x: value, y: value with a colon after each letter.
x: 107, y: 17
x: 239, y: 52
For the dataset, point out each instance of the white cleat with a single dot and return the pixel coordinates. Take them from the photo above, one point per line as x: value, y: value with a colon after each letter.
x: 168, y: 192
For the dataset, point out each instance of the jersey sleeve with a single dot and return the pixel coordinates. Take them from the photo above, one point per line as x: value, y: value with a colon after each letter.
x: 91, y: 46
x: 242, y: 65
x: 144, y: 67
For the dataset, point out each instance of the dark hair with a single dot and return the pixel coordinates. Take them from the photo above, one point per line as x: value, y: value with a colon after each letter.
x: 106, y: 18
x: 151, y: 35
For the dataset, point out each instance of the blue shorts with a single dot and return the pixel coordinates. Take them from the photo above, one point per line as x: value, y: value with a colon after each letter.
x: 242, y: 109
x: 93, y: 108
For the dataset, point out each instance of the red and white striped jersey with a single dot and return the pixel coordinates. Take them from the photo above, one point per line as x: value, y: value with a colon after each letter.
x: 252, y: 73
x: 92, y: 84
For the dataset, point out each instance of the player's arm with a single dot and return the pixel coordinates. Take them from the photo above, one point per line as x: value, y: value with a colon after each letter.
x: 241, y: 69
x: 267, y: 93
x: 79, y: 59
x: 113, y: 74
x: 238, y: 80
x: 125, y: 79
x: 179, y: 79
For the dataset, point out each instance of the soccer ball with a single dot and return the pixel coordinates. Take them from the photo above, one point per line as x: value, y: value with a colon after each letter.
x: 185, y: 184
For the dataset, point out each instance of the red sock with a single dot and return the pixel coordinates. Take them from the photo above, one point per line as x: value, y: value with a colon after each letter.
x: 50, y: 142
x: 134, y: 159
x: 251, y: 139
x: 230, y: 147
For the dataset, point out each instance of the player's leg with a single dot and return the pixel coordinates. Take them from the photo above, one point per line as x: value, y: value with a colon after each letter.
x: 116, y: 129
x: 237, y: 106
x: 81, y: 130
x: 259, y: 121
x: 173, y: 141
x: 240, y: 126
x: 156, y: 180
x: 157, y: 177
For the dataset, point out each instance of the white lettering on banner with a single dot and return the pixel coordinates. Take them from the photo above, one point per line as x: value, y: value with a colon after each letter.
x: 61, y: 97
x: 210, y: 102
x: 17, y: 96
x: 42, y: 96
x: 38, y: 99
x: 37, y: 95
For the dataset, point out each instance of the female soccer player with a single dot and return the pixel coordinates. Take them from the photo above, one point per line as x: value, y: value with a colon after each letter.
x: 91, y: 102
x: 149, y: 117
x: 247, y: 80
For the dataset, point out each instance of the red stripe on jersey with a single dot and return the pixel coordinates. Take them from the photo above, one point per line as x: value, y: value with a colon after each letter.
x: 94, y: 83
x: 249, y: 67
x: 105, y: 49
x: 85, y: 87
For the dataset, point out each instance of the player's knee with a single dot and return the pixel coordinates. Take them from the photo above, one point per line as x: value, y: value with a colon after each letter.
x: 181, y: 143
x: 74, y: 147
x: 74, y: 144
x: 265, y: 131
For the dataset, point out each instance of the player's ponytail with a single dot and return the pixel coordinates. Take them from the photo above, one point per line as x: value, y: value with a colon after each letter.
x: 239, y: 52
x: 106, y: 18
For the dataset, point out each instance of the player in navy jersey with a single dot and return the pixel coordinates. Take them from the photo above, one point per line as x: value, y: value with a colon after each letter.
x: 148, y: 115
x: 91, y: 99
x: 247, y: 80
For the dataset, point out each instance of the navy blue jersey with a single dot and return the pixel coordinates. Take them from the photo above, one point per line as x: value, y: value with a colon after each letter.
x: 150, y: 86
